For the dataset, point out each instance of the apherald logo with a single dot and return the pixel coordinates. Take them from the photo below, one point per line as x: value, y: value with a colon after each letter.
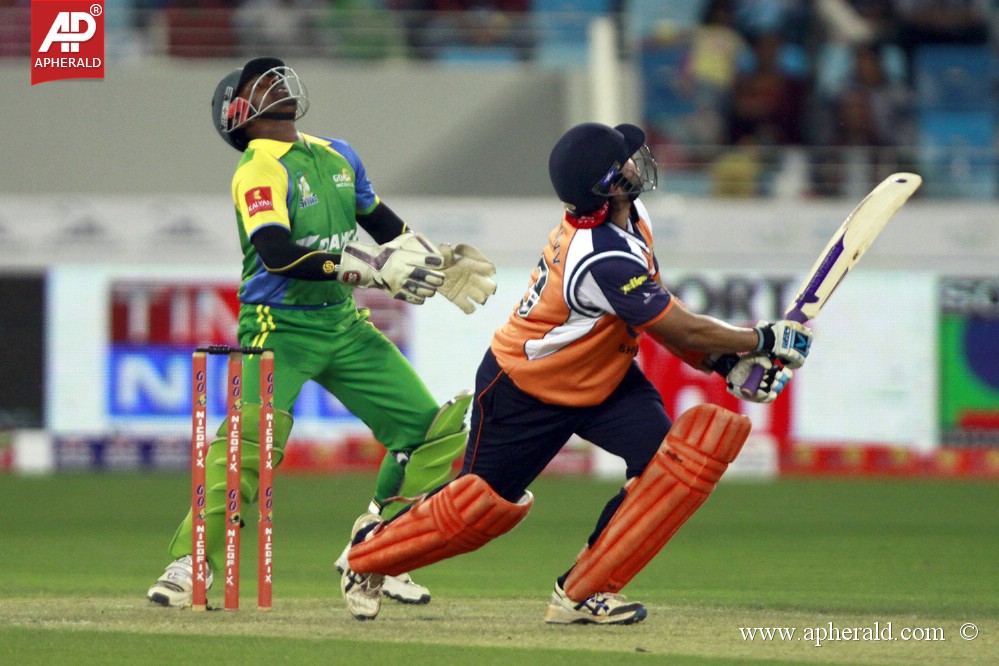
x: 67, y: 40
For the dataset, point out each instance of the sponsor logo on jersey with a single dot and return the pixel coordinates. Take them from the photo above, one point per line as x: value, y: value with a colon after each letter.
x: 308, y: 198
x: 634, y: 283
x: 344, y: 178
x: 258, y: 200
x: 67, y: 40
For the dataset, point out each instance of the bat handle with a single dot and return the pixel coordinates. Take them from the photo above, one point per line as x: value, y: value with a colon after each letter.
x: 752, y: 383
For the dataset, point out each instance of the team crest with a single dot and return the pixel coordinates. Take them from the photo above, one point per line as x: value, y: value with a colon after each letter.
x: 308, y: 198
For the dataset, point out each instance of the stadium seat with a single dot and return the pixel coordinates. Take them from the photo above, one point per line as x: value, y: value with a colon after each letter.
x: 476, y: 55
x: 200, y: 32
x: 956, y: 155
x: 955, y: 77
x: 563, y: 29
x: 648, y: 18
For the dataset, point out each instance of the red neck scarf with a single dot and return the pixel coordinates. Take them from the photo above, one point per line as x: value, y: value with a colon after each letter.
x: 593, y: 219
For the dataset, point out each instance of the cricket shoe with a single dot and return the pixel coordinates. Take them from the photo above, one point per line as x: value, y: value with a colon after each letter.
x: 601, y: 608
x: 174, y: 587
x: 362, y: 591
x: 401, y: 588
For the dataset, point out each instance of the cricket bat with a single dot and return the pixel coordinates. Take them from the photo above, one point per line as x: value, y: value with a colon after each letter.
x: 843, y: 251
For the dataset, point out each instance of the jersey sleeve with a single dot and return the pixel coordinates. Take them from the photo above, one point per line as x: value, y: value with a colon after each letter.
x: 260, y: 192
x: 624, y: 287
x: 364, y: 191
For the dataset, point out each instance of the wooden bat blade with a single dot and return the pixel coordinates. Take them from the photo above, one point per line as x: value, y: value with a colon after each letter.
x: 850, y: 242
x: 843, y: 251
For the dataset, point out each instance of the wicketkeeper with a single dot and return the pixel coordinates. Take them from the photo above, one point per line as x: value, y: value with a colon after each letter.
x: 564, y: 363
x: 299, y: 200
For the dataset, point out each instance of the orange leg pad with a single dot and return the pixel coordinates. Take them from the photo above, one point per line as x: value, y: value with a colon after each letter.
x: 464, y: 516
x: 691, y: 460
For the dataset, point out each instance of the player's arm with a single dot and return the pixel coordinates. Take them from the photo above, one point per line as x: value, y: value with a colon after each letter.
x: 279, y: 255
x: 382, y: 223
x: 402, y: 267
x: 712, y: 345
x: 634, y: 295
x: 688, y: 331
x: 680, y: 328
x: 702, y: 342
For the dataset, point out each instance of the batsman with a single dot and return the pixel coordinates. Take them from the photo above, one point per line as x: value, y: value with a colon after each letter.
x: 300, y: 201
x: 564, y: 364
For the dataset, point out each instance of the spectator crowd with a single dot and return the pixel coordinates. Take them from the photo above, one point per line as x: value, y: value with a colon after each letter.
x: 749, y: 97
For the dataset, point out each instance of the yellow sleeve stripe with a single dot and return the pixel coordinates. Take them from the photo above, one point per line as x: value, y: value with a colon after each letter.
x: 328, y: 266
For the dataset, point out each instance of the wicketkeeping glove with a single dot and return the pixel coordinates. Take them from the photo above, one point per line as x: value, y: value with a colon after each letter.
x: 467, y: 276
x: 403, y: 267
x: 775, y: 377
x: 788, y: 340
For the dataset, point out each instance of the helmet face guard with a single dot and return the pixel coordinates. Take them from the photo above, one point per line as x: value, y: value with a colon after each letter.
x: 274, y: 87
x: 645, y: 178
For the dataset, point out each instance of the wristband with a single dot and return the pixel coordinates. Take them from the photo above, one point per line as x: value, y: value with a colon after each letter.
x: 724, y: 364
x: 767, y: 338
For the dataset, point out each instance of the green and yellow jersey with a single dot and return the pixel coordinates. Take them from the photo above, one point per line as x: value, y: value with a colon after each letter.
x: 314, y: 187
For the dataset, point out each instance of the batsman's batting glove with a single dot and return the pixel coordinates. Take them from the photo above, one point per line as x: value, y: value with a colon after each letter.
x: 404, y: 267
x: 467, y: 276
x: 775, y: 377
x: 787, y: 340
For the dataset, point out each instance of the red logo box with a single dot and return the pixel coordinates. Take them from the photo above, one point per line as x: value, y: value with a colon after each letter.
x: 67, y: 40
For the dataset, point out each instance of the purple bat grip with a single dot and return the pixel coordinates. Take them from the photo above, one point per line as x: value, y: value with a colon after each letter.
x: 752, y: 383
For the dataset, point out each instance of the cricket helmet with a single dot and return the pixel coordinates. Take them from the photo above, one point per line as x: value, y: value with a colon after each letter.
x: 230, y: 112
x: 586, y: 163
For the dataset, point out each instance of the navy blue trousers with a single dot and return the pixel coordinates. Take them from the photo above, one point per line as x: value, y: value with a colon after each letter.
x: 514, y: 435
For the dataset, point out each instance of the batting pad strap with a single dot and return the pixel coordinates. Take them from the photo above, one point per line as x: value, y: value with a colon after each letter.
x: 691, y: 460
x: 464, y: 516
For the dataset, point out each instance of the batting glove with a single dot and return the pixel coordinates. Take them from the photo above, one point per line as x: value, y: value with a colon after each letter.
x: 787, y: 340
x: 775, y: 377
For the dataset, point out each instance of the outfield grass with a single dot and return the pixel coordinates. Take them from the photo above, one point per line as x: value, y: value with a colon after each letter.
x: 78, y: 552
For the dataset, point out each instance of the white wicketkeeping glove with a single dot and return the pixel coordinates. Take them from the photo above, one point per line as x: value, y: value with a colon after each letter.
x: 787, y: 340
x: 775, y: 377
x: 403, y: 267
x: 467, y: 276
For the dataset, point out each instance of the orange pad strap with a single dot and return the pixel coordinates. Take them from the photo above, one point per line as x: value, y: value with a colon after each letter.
x: 464, y: 516
x: 691, y: 460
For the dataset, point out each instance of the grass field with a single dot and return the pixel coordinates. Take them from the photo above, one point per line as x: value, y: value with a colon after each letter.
x: 78, y: 552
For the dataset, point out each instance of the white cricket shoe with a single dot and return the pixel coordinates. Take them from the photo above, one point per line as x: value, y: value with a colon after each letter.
x: 362, y: 591
x: 405, y: 590
x: 601, y: 608
x: 401, y: 588
x: 174, y: 587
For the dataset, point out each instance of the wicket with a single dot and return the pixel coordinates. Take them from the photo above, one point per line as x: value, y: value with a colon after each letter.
x: 199, y: 453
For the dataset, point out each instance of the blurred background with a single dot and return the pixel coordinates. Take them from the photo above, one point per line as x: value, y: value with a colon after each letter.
x: 770, y: 120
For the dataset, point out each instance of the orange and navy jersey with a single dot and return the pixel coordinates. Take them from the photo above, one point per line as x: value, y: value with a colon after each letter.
x: 573, y: 336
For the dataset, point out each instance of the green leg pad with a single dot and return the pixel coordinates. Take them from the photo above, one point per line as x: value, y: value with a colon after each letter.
x: 428, y: 467
x: 450, y: 417
x: 215, y: 474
